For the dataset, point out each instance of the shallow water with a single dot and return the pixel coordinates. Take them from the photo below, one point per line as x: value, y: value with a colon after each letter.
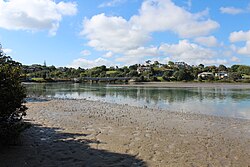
x: 227, y: 102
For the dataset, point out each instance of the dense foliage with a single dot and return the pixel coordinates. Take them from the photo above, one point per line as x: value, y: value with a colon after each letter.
x: 150, y: 71
x: 12, y: 95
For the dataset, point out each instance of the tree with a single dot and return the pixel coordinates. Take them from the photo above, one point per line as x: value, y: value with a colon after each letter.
x: 133, y: 67
x: 213, y: 69
x: 201, y: 66
x: 167, y: 74
x: 235, y: 76
x: 12, y: 95
x: 183, y: 75
x: 132, y: 73
x: 222, y: 68
x: 234, y: 68
x: 148, y: 62
x: 141, y: 79
x: 103, y: 68
x: 243, y: 69
x: 171, y: 64
x: 156, y: 63
x: 44, y: 74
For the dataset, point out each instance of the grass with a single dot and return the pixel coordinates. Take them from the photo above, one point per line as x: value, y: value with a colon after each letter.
x: 160, y: 79
x: 159, y: 68
x: 246, y: 76
x: 38, y: 79
x: 111, y: 72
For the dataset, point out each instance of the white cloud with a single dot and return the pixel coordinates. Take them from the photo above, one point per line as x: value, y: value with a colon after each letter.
x: 235, y: 59
x: 245, y: 50
x: 190, y: 53
x: 34, y: 15
x: 111, y: 3
x: 69, y: 8
x: 231, y: 10
x: 84, y: 63
x: 144, y: 51
x: 213, y: 62
x: 108, y: 55
x: 112, y: 34
x: 164, y: 15
x: 241, y: 36
x: 209, y: 41
x: 128, y: 37
x: 85, y: 52
x: 138, y: 55
x: 227, y: 52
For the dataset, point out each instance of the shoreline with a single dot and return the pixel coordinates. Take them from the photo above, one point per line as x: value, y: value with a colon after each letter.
x: 186, y: 85
x: 199, y: 115
x: 164, y: 84
x: 92, y: 133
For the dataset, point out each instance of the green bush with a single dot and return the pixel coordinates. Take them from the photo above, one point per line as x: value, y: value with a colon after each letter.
x: 235, y: 76
x: 183, y: 75
x: 12, y: 95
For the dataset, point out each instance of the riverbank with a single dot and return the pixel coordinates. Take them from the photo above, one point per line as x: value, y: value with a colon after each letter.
x: 92, y: 133
x: 186, y: 85
x: 235, y: 85
x: 230, y: 85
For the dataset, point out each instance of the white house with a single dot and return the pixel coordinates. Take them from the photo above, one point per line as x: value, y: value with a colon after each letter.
x: 205, y: 75
x: 221, y: 75
x: 142, y: 69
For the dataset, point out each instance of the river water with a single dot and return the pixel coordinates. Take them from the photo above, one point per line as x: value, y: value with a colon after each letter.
x: 226, y: 102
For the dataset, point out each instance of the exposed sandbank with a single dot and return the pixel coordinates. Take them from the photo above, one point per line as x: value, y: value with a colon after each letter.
x: 92, y: 133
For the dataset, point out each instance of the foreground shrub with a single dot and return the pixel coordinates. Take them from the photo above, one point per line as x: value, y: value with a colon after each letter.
x: 12, y: 95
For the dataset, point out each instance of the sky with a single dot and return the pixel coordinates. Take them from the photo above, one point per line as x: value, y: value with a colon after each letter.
x: 89, y: 33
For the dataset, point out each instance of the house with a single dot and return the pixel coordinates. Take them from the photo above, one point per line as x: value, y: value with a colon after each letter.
x: 206, y: 75
x: 32, y: 68
x: 142, y: 69
x: 221, y: 75
x: 181, y: 65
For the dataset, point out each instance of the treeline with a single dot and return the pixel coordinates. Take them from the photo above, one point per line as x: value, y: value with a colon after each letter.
x: 150, y: 71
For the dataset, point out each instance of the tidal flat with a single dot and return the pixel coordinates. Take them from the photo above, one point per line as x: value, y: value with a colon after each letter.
x: 95, y: 133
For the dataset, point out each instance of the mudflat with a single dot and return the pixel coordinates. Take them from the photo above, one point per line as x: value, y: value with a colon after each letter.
x: 93, y: 133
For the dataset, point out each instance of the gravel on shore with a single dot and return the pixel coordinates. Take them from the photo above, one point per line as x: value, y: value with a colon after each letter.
x: 92, y: 133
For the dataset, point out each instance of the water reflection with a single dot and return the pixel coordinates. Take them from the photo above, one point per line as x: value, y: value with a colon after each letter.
x: 212, y: 101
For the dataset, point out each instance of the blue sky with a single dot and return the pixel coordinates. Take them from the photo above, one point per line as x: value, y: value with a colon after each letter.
x: 122, y: 32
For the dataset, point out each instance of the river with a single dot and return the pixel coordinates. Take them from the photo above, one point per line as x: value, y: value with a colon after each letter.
x: 217, y: 101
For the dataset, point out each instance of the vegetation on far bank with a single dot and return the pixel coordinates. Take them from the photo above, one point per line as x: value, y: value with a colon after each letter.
x: 148, y: 72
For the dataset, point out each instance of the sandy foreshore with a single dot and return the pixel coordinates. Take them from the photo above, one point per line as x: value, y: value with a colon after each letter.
x: 91, y: 133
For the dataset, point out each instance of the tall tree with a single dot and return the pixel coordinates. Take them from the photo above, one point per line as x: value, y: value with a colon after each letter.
x: 222, y: 68
x: 12, y: 94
